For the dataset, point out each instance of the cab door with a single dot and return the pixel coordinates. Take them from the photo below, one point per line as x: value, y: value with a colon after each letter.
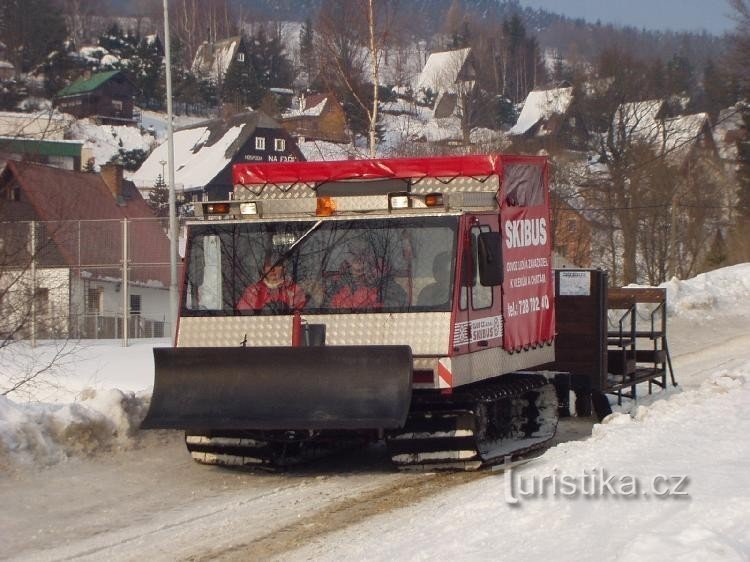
x: 477, y: 316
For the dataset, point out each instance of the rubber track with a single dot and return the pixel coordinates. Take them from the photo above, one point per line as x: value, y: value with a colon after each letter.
x: 477, y: 425
x: 271, y: 451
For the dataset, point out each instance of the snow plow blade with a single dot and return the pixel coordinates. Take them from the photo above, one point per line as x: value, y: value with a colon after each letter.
x: 272, y: 388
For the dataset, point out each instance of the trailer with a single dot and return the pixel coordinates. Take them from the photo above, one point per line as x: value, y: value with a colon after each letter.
x: 330, y: 304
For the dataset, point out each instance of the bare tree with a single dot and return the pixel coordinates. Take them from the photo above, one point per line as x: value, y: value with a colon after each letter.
x: 740, y: 40
x: 196, y: 21
x: 353, y: 36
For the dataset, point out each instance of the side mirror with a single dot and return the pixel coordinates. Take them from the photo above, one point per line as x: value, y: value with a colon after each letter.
x: 490, y: 257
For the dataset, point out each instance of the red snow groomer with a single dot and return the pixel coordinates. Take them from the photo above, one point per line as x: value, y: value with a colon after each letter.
x: 331, y: 303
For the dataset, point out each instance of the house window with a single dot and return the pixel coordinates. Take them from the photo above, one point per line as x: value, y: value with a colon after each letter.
x: 260, y: 143
x: 94, y: 300
x: 41, y: 298
x: 240, y: 57
x: 135, y: 304
x: 12, y: 193
x: 572, y: 225
x: 279, y: 145
x: 117, y: 105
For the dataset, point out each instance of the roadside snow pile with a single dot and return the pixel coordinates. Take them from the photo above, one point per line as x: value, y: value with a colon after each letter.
x: 44, y: 434
x: 722, y: 291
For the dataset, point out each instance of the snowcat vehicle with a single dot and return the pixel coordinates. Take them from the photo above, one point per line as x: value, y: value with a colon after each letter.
x: 414, y: 298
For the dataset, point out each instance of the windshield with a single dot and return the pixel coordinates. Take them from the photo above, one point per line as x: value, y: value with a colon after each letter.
x: 388, y: 265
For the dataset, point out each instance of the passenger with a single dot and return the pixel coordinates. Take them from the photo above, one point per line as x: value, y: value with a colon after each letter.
x: 358, y: 288
x: 437, y: 294
x: 274, y: 291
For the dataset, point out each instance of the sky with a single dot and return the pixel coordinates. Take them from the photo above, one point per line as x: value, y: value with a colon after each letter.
x: 675, y: 15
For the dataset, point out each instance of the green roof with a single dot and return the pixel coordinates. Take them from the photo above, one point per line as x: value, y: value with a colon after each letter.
x: 41, y: 147
x: 83, y: 85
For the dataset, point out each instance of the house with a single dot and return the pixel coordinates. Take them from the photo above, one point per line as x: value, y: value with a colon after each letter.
x: 685, y: 138
x: 571, y: 233
x: 547, y: 118
x: 727, y: 131
x: 7, y: 70
x: 74, y: 222
x: 205, y: 152
x: 106, y: 97
x: 448, y: 76
x: 49, y: 125
x: 154, y: 43
x: 212, y: 59
x: 65, y: 154
x: 680, y: 139
x: 316, y: 117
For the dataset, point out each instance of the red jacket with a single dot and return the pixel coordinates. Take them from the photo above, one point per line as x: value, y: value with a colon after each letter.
x: 258, y: 295
x: 361, y: 297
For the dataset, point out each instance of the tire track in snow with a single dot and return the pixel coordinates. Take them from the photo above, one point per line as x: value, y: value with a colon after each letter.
x: 342, y: 514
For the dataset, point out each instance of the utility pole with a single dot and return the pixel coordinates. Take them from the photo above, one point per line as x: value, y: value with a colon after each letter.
x: 172, y: 198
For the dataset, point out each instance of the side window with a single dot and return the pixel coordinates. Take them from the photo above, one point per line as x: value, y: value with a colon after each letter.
x: 481, y: 296
x: 260, y: 143
x: 135, y: 304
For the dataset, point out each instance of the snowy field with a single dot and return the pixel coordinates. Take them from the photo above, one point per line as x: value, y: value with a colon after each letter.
x: 85, y: 434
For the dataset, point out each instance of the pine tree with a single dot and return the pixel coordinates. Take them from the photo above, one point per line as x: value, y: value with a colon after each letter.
x: 307, y: 50
x: 158, y: 197
x: 241, y: 86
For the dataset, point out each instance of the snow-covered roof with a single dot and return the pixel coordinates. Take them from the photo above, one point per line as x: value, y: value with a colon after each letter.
x: 681, y: 133
x: 6, y: 64
x: 37, y: 125
x: 638, y: 120
x: 201, y: 151
x: 540, y: 105
x: 442, y: 70
x: 306, y: 106
x: 213, y: 59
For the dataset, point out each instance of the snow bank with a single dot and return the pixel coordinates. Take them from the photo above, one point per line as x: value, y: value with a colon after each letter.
x: 44, y: 434
x: 724, y: 291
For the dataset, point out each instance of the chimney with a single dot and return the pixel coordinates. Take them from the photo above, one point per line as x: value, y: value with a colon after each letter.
x: 111, y: 174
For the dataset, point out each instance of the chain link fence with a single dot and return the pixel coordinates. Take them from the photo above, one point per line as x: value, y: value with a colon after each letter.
x: 88, y: 279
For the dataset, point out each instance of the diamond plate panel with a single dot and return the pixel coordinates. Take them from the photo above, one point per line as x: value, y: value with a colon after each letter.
x: 230, y: 331
x: 264, y: 192
x: 426, y: 332
x: 422, y: 186
x: 460, y: 184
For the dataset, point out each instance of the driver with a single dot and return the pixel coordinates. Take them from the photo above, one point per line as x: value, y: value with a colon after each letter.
x: 274, y: 290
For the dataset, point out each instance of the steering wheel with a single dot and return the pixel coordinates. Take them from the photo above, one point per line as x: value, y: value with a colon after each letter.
x: 277, y: 307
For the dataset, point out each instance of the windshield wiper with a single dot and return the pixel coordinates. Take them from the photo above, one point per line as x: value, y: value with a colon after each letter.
x: 283, y: 257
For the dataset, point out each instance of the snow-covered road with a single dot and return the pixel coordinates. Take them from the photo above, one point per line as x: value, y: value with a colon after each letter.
x: 148, y: 500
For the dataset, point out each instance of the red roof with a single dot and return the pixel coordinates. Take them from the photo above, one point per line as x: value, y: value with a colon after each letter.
x: 317, y: 172
x: 62, y: 198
